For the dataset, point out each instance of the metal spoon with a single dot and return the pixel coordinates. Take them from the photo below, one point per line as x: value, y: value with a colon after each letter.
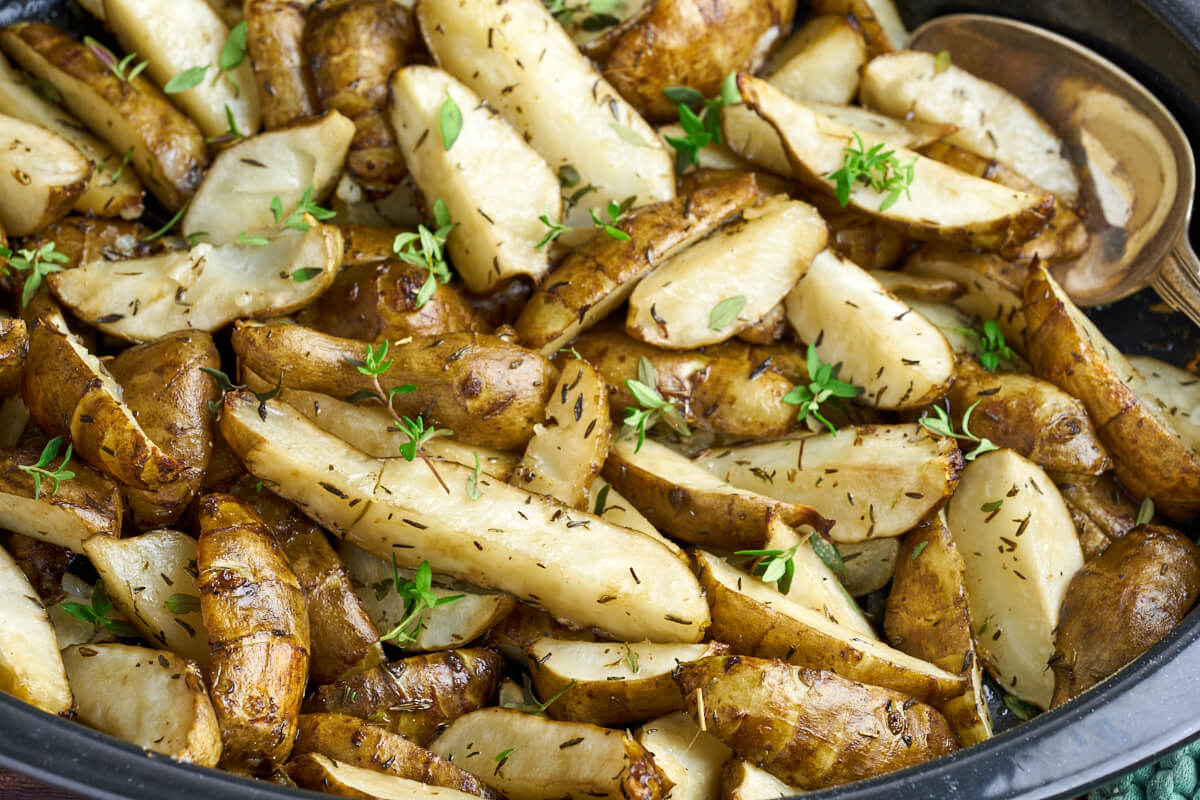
x: 1136, y: 167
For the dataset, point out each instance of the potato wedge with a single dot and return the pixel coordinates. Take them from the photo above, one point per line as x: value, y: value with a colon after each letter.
x: 819, y: 63
x: 689, y: 757
x: 323, y: 774
x: 809, y: 727
x: 1174, y: 392
x: 529, y: 757
x: 204, y: 288
x: 614, y: 508
x: 1103, y: 501
x: 691, y: 504
x: 712, y: 393
x: 45, y: 564
x: 940, y: 202
x: 933, y: 290
x: 569, y: 449
x: 107, y: 193
x: 869, y: 564
x: 257, y: 622
x: 599, y: 276
x: 723, y: 284
x: 1120, y: 604
x: 518, y: 58
x: 991, y: 121
x: 489, y: 177
x: 611, y: 684
x: 176, y: 35
x: 1019, y: 545
x: 493, y: 397
x: 275, y: 43
x: 14, y: 418
x: 246, y: 177
x: 619, y: 580
x: 1066, y: 349
x: 14, y: 346
x: 41, y: 175
x: 87, y: 505
x: 879, y: 20
x: 741, y: 780
x: 415, y: 697
x: 899, y: 358
x: 169, y: 153
x: 357, y: 743
x: 229, y: 10
x: 884, y: 478
x: 155, y: 700
x: 517, y: 632
x: 151, y: 579
x: 85, y: 239
x: 756, y: 620
x: 31, y: 668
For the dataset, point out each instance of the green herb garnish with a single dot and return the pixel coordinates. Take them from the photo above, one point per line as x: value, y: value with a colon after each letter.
x: 451, y: 120
x: 418, y: 598
x: 96, y: 614
x: 990, y: 344
x: 943, y: 426
x: 653, y: 407
x: 876, y: 168
x: 42, y: 468
x: 425, y: 249
x: 823, y: 385
x: 37, y: 263
x: 725, y: 312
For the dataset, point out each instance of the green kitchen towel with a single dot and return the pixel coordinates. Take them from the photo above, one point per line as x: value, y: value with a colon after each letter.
x: 1171, y: 778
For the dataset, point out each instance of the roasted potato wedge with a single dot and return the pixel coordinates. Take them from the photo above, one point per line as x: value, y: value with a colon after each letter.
x: 614, y: 508
x: 690, y: 758
x: 611, y: 684
x: 518, y: 58
x: 1120, y: 604
x: 517, y: 632
x: 1017, y: 539
x: 741, y: 780
x: 153, y: 699
x: 275, y: 42
x: 87, y: 505
x: 323, y: 774
x: 869, y: 565
x: 14, y: 346
x: 723, y: 284
x: 488, y: 176
x: 42, y: 175
x: 31, y: 668
x: 1173, y: 391
x: 203, y: 288
x: 529, y: 757
x: 809, y: 727
x: 819, y: 63
x: 415, y: 697
x: 255, y: 613
x: 933, y: 290
x: 874, y: 480
x: 879, y: 21
x: 169, y: 153
x: 1066, y: 349
x: 45, y: 564
x: 1102, y: 500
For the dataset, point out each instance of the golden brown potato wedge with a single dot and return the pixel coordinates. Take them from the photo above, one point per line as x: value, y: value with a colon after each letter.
x: 689, y: 757
x: 42, y: 175
x: 1173, y: 391
x: 529, y: 757
x: 608, y: 683
x: 255, y: 613
x: 741, y: 780
x: 879, y: 21
x: 1100, y: 507
x: 1018, y: 542
x: 933, y: 290
x: 769, y: 328
x: 323, y: 774
x: 809, y: 727
x: 275, y: 42
x: 483, y: 388
x: 87, y: 505
x: 415, y: 697
x: 819, y: 63
x: 353, y: 47
x: 14, y: 346
x: 86, y: 239
x: 599, y: 276
x: 169, y: 153
x: 31, y: 668
x: 156, y: 700
x: 1066, y: 349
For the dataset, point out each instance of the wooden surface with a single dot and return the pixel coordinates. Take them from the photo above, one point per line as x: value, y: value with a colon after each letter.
x: 14, y: 786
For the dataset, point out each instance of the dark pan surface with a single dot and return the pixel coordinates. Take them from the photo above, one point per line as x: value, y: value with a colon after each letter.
x: 1142, y: 712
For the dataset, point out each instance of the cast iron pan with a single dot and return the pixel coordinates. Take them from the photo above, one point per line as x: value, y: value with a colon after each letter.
x: 1145, y: 710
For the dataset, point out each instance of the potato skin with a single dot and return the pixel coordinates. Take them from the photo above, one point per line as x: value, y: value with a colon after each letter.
x: 419, y: 696
x: 44, y: 563
x: 1101, y: 509
x: 1120, y: 604
x: 810, y: 728
x: 275, y: 40
x: 694, y: 43
x: 14, y: 347
x: 90, y: 496
x: 254, y: 610
x: 525, y: 625
x: 353, y: 47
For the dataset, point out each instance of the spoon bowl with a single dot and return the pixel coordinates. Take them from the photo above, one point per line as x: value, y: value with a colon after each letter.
x: 1137, y: 170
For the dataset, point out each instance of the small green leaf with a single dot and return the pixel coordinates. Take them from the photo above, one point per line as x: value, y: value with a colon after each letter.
x: 182, y: 604
x: 252, y: 241
x: 233, y: 53
x: 451, y: 120
x: 920, y: 548
x: 631, y: 658
x: 725, y: 312
x: 942, y: 62
x: 994, y: 505
x: 628, y: 134
x: 473, y: 481
x: 828, y: 553
x: 305, y: 274
x: 568, y: 176
x: 1145, y: 512
x: 601, y: 500
x: 503, y: 756
x: 188, y: 79
x: 730, y: 95
x: 165, y: 228
x: 684, y: 95
x: 1020, y: 709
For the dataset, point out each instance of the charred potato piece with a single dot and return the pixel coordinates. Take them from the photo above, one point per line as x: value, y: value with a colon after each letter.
x: 87, y: 505
x: 254, y: 610
x: 41, y: 176
x: 1120, y: 604
x: 275, y: 40
x: 14, y: 346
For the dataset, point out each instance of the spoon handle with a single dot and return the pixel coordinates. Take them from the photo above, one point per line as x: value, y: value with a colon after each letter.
x: 1178, y: 281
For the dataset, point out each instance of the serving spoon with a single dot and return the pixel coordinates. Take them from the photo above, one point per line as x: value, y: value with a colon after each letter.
x: 1137, y: 171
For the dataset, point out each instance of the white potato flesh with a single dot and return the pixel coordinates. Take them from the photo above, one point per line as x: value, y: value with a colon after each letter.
x: 235, y: 196
x: 575, y: 565
x: 104, y: 196
x: 62, y: 525
x: 619, y: 511
x: 814, y: 584
x: 872, y: 480
x: 1173, y: 391
x: 149, y: 698
x: 530, y: 757
x: 442, y: 628
x: 176, y: 35
x: 489, y: 178
x: 598, y: 662
x: 912, y: 134
x: 820, y: 62
x: 517, y: 57
x: 992, y: 122
x: 947, y: 319
x: 151, y: 579
x: 752, y: 138
x: 31, y: 668
x: 879, y: 20
x: 204, y: 288
x: 691, y: 758
x: 41, y: 176
x: 347, y: 778
x: 1021, y: 550
x: 745, y: 781
x: 748, y: 266
x: 899, y: 358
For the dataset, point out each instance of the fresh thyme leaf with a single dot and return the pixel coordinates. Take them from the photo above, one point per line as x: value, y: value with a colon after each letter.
x: 683, y: 95
x: 601, y: 500
x: 615, y: 211
x: 165, y: 228
x: 942, y: 62
x: 305, y: 274
x: 182, y: 603
x: 628, y: 135
x: 231, y: 132
x: 994, y: 505
x: 1145, y: 512
x: 828, y: 552
x: 703, y: 129
x: 233, y: 53
x: 417, y: 435
x: 990, y: 344
x: 376, y: 362
x: 38, y: 264
x: 298, y: 220
x: 942, y: 425
x: 654, y: 407
x: 116, y: 176
x: 920, y: 548
x: 96, y: 614
x: 533, y: 707
x: 125, y: 69
x: 556, y: 229
x: 876, y: 168
x: 730, y: 96
x: 188, y: 79
x: 425, y: 249
x: 41, y: 469
x: 1020, y: 709
x: 823, y: 385
x: 631, y: 658
x: 503, y: 756
x: 774, y: 566
x: 725, y: 312
x: 252, y: 241
x: 568, y: 176
x: 473, y: 481
x: 418, y: 598
x: 451, y: 120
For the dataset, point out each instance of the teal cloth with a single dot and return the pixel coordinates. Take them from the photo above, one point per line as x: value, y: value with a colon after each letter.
x: 1171, y: 778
